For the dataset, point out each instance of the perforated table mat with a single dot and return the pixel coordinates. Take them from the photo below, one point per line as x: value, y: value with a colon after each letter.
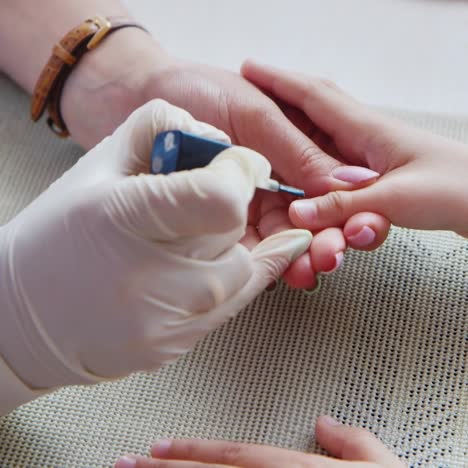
x: 382, y: 346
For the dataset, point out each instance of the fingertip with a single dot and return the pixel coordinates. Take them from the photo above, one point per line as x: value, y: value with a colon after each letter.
x: 126, y: 461
x: 300, y: 274
x: 334, y: 264
x: 326, y: 429
x: 327, y: 422
x: 353, y: 443
x: 363, y: 239
x: 161, y: 448
x: 246, y: 65
x: 252, y: 64
x: 135, y: 461
x: 366, y: 231
x: 258, y: 73
x: 327, y: 250
x: 330, y: 210
x: 249, y: 69
x: 302, y: 213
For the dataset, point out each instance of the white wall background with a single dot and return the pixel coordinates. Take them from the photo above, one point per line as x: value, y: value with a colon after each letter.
x: 410, y: 54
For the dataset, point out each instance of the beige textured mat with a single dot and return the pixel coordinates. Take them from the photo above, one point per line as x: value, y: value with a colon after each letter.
x: 382, y: 346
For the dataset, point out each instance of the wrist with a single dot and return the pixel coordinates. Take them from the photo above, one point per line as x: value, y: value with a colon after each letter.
x: 109, y: 83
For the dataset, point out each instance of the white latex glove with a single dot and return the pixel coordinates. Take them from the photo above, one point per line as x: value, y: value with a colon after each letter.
x: 109, y: 272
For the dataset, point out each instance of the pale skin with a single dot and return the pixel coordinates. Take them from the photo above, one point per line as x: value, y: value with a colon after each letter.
x: 130, y: 67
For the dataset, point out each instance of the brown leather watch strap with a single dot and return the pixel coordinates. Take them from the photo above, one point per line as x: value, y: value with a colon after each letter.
x: 65, y: 55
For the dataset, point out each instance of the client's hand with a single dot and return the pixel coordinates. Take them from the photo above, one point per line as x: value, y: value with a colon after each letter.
x: 112, y: 270
x: 423, y: 176
x: 352, y: 446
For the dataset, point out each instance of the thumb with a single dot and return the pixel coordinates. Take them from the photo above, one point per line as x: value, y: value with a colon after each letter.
x: 270, y: 259
x: 209, y: 200
x: 335, y: 208
x: 353, y: 444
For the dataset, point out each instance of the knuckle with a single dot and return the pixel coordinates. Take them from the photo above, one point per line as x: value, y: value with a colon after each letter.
x: 312, y: 160
x: 261, y: 117
x: 378, y: 145
x: 259, y: 114
x: 333, y: 202
x: 242, y: 115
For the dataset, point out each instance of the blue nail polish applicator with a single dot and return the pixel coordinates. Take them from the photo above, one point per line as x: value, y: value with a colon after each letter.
x: 176, y: 150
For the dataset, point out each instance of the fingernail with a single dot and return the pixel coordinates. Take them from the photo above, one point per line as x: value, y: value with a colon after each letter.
x: 363, y: 238
x: 316, y: 288
x: 305, y: 209
x: 330, y: 421
x: 161, y: 448
x: 126, y: 462
x: 290, y: 244
x: 259, y: 63
x: 339, y: 257
x: 272, y: 286
x: 354, y: 174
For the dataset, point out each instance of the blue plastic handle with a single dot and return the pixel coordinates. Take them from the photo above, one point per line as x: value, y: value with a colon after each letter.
x: 176, y: 150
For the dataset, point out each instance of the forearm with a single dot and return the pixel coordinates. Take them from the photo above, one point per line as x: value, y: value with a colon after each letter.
x: 28, y: 31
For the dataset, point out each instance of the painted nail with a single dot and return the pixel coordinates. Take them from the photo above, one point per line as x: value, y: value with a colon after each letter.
x: 354, y: 174
x: 363, y: 238
x: 126, y: 462
x: 161, y: 448
x: 339, y: 257
x: 306, y: 210
x: 330, y: 421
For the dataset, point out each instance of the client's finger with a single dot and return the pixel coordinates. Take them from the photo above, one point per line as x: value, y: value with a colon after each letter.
x: 335, y: 208
x: 366, y: 231
x: 351, y: 124
x: 327, y: 250
x: 353, y: 443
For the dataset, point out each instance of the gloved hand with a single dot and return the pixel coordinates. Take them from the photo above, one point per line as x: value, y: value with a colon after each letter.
x: 112, y: 270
